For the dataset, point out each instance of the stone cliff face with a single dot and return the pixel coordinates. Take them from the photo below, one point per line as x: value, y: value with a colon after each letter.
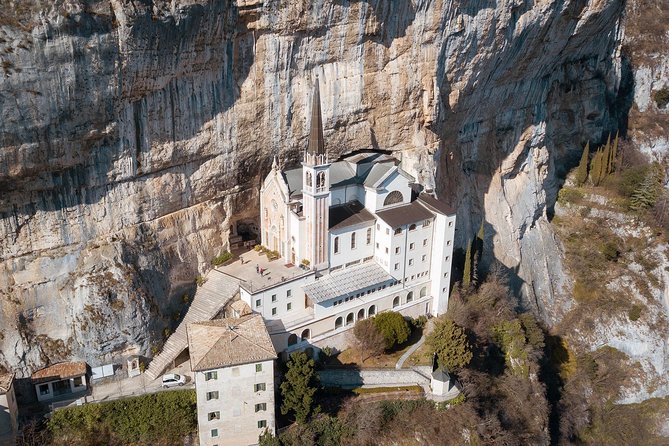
x: 135, y: 131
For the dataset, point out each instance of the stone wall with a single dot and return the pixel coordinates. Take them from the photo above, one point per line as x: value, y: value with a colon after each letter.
x: 350, y: 378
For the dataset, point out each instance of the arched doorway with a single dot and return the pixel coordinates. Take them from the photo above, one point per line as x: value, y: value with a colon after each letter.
x: 409, y: 296
x: 292, y: 339
x: 361, y: 314
x: 349, y: 319
x: 306, y: 334
x: 396, y: 302
x: 423, y: 292
x: 339, y: 322
x: 372, y: 311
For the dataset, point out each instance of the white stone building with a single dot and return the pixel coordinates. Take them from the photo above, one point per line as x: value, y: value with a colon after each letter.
x: 8, y: 410
x: 233, y: 365
x: 355, y: 236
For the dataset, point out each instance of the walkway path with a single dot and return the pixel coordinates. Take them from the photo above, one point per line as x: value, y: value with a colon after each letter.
x: 209, y: 299
x: 416, y: 346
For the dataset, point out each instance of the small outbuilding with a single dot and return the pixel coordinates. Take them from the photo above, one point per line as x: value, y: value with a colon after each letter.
x: 60, y: 381
x: 8, y: 410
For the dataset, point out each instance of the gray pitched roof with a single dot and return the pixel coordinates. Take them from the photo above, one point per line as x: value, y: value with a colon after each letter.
x: 405, y: 214
x: 349, y: 214
x: 316, y: 141
x: 435, y: 204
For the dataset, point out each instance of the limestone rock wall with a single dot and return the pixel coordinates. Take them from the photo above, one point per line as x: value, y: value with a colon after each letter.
x: 135, y: 131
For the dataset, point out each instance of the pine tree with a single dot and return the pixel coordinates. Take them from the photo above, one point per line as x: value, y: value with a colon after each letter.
x: 595, y: 169
x: 614, y: 154
x: 467, y: 274
x: 299, y: 387
x: 606, y: 159
x: 647, y: 193
x: 582, y: 169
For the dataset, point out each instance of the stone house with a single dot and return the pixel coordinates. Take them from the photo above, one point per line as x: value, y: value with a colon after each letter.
x: 61, y: 381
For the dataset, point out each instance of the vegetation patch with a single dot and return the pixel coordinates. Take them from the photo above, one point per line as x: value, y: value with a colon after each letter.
x: 160, y: 418
x: 221, y: 259
x: 634, y: 313
x: 661, y: 97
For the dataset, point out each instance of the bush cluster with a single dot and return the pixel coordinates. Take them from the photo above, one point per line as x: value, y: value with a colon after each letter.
x: 221, y: 259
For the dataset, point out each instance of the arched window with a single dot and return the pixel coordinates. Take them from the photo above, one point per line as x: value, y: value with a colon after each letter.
x: 292, y: 339
x: 336, y: 245
x: 423, y: 291
x: 309, y: 179
x: 338, y: 322
x: 306, y: 334
x: 393, y: 198
x: 353, y: 240
x: 409, y: 296
x: 412, y: 227
x: 320, y: 181
x: 361, y: 314
x: 349, y: 319
x: 396, y: 302
x: 372, y: 311
x: 369, y: 236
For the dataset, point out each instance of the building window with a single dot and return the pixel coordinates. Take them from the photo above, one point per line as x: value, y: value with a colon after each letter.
x: 214, y: 416
x: 274, y: 311
x: 409, y: 296
x: 387, y: 231
x: 450, y: 224
x: 289, y: 306
x: 396, y: 301
x: 398, y: 231
x: 212, y: 395
x: 44, y: 389
x: 426, y: 223
x: 306, y: 334
x: 320, y: 181
x: 448, y: 243
x: 423, y: 258
x: 214, y: 432
x: 289, y: 293
x: 258, y: 302
x: 273, y: 297
x: 377, y: 245
x: 397, y: 250
x: 412, y: 245
x: 361, y: 314
x: 446, y: 258
x: 336, y: 245
x: 260, y: 387
x: 258, y: 368
x: 410, y: 262
x: 262, y: 424
x: 78, y: 381
x: 369, y: 236
x: 393, y: 198
x: 412, y: 227
x: 261, y: 407
x: 445, y: 275
x: 353, y: 240
x: 423, y: 292
x: 378, y: 227
x: 210, y: 375
x: 424, y: 242
x: 397, y: 266
x: 372, y: 311
x: 309, y: 179
x: 292, y: 339
x: 349, y: 319
x: 386, y: 250
x: 339, y: 322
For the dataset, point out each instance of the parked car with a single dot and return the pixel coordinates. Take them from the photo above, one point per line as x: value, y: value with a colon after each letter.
x: 172, y: 380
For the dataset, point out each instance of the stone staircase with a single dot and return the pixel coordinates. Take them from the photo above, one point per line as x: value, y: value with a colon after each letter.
x: 209, y: 299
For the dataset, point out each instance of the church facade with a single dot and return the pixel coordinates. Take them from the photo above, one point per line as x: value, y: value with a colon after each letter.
x: 364, y: 236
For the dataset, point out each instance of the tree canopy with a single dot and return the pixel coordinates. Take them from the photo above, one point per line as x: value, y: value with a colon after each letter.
x: 368, y: 338
x: 393, y: 327
x: 449, y: 341
x: 299, y: 387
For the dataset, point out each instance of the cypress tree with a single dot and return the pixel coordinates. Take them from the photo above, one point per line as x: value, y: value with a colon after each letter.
x: 582, y: 169
x: 596, y: 168
x: 606, y: 159
x: 467, y: 274
x: 614, y: 153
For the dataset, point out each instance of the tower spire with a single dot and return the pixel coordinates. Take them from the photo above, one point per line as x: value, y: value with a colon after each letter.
x: 316, y: 141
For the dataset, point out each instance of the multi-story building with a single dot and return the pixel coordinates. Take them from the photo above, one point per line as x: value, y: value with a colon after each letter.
x: 8, y: 410
x: 356, y: 237
x: 233, y: 366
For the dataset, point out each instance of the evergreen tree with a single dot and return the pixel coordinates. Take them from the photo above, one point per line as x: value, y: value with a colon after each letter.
x: 582, y: 169
x: 647, y: 193
x: 597, y: 167
x: 299, y: 387
x: 449, y: 341
x: 267, y: 439
x: 606, y: 159
x: 393, y: 327
x: 467, y: 274
x: 614, y: 154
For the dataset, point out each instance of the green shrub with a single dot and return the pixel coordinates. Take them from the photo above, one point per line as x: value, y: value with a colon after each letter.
x: 221, y: 259
x: 661, y: 97
x: 199, y: 280
x: 393, y: 327
x: 610, y: 250
x: 257, y: 248
x: 569, y: 195
x: 420, y: 321
x: 635, y: 313
x: 158, y: 418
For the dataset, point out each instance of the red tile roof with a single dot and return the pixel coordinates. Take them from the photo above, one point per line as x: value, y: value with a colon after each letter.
x: 59, y: 371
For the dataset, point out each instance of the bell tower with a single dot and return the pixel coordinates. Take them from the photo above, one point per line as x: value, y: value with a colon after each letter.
x: 316, y: 189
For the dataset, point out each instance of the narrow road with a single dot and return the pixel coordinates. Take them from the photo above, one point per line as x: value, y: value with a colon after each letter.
x: 416, y: 346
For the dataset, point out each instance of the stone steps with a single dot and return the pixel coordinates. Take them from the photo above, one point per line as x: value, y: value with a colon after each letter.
x: 209, y: 299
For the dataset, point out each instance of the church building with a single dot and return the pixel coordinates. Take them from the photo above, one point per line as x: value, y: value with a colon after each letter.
x: 361, y: 238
